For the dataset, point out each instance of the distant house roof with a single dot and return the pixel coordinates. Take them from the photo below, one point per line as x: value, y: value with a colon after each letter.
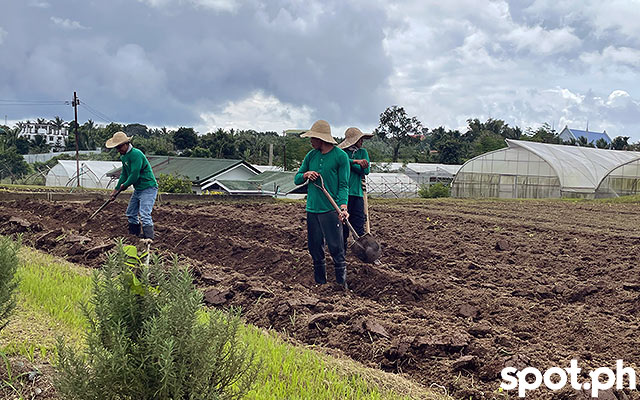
x: 589, y: 135
x: 267, y: 183
x: 265, y: 168
x: 194, y: 168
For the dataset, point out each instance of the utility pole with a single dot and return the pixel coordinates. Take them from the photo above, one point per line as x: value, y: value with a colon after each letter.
x: 75, y: 111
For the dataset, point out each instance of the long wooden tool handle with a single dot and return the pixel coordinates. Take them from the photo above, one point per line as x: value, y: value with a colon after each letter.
x: 366, y: 205
x: 333, y: 203
x: 99, y: 209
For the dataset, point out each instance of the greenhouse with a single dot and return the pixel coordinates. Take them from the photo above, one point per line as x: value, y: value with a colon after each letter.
x: 538, y: 170
x: 93, y: 174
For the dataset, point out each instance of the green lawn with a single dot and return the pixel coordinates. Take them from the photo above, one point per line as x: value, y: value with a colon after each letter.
x: 49, y: 298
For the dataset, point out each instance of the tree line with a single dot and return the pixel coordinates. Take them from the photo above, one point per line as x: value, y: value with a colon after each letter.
x: 398, y: 138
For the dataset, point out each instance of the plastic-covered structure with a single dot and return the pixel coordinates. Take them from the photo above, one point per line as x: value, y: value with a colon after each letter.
x: 622, y: 181
x: 93, y: 174
x: 391, y: 185
x: 538, y: 170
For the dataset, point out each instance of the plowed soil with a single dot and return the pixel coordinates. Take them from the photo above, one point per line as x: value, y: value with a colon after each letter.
x: 464, y: 288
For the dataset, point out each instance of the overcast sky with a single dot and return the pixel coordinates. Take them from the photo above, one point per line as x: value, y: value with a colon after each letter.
x: 282, y: 64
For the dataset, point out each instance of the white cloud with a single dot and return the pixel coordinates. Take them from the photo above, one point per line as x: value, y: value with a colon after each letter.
x: 216, y: 5
x: 613, y: 56
x: 3, y: 34
x: 39, y: 4
x: 135, y: 74
x: 543, y: 42
x: 67, y: 23
x: 258, y: 112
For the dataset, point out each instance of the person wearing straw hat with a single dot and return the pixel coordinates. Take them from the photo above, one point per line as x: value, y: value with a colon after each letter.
x: 136, y: 172
x: 359, y: 167
x: 324, y: 223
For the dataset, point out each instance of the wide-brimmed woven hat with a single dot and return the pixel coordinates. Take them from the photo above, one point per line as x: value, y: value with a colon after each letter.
x: 351, y: 137
x: 320, y: 130
x: 117, y: 139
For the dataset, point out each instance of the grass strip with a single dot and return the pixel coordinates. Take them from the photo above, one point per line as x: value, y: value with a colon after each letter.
x: 49, y: 297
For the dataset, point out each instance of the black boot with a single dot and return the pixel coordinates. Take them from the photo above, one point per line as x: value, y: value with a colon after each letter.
x: 320, y: 273
x: 134, y: 229
x: 341, y: 276
x: 147, y: 231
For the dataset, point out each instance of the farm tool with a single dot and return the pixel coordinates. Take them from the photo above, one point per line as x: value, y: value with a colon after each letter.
x: 109, y: 200
x: 366, y: 205
x: 365, y: 247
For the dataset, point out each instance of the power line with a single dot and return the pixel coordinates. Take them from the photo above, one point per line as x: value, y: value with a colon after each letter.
x: 33, y: 102
x: 99, y: 114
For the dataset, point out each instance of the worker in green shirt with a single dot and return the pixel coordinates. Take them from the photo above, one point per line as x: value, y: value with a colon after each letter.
x: 324, y: 223
x: 359, y: 167
x: 136, y: 172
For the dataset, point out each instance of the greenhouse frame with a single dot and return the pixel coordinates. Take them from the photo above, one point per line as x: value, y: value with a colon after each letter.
x: 538, y: 170
x: 93, y: 174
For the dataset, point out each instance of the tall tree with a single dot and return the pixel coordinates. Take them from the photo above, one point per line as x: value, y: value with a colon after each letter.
x: 450, y: 145
x: 602, y: 144
x: 185, y: 138
x: 620, y: 143
x: 397, y: 128
x: 544, y: 134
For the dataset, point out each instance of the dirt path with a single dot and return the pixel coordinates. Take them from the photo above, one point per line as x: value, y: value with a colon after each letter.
x: 466, y: 287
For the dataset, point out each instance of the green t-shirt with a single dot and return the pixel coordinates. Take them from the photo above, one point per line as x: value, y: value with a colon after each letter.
x: 357, y: 172
x: 136, y: 171
x: 334, y: 169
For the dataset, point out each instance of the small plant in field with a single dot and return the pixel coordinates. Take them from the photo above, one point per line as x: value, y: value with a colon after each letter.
x: 434, y: 191
x: 149, y: 337
x: 8, y: 283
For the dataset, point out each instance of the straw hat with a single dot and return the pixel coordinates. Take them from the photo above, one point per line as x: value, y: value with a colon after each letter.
x: 320, y: 130
x: 351, y: 137
x: 117, y: 139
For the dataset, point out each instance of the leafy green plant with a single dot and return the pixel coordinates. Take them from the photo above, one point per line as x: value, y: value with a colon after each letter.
x: 172, y: 183
x: 8, y: 283
x: 434, y: 191
x: 150, y: 338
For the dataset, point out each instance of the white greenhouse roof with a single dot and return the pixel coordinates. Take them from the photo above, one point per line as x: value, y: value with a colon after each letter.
x: 99, y: 168
x: 578, y: 168
x: 423, y: 168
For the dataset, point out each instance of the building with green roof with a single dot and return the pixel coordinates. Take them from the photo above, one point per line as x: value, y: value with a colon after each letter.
x: 269, y: 183
x: 200, y: 171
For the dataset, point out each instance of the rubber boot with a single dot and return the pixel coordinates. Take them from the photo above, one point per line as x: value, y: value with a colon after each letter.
x: 320, y: 273
x: 134, y: 229
x: 147, y: 231
x: 341, y: 276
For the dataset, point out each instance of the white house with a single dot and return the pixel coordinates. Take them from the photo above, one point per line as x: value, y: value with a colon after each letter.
x: 54, y: 136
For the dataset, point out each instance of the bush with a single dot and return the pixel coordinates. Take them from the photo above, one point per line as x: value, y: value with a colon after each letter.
x: 434, y: 191
x: 173, y: 184
x: 150, y: 338
x: 8, y: 283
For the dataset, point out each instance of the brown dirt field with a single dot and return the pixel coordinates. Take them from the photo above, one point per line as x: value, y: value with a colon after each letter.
x: 522, y: 283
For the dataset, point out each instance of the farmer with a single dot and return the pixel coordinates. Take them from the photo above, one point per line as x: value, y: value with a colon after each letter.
x: 136, y: 171
x: 359, y: 164
x: 323, y: 221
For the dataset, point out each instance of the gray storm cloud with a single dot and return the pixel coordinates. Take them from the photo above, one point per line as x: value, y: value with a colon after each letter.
x: 285, y: 63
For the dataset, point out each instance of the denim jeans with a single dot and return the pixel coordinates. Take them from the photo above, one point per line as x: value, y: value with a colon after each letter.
x: 142, y: 203
x: 323, y: 227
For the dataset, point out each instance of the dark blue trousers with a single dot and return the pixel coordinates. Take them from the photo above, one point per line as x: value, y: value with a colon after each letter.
x: 355, y: 207
x: 327, y: 227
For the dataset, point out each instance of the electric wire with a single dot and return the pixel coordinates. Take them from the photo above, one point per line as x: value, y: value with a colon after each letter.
x: 102, y: 116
